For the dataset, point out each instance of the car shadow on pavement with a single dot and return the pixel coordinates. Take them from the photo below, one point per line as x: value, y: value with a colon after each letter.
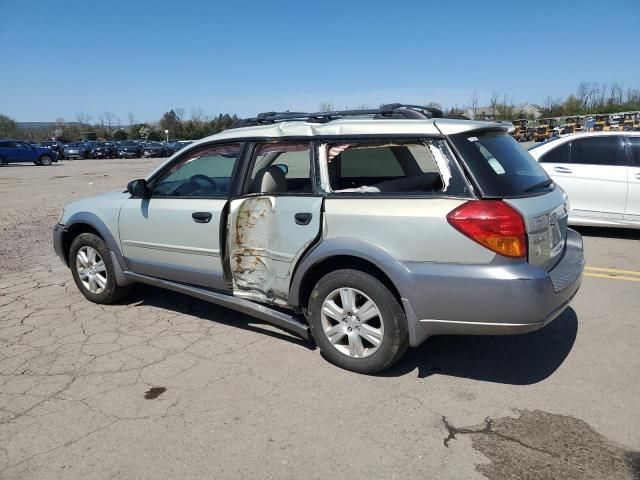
x: 514, y: 359
x: 186, y: 305
x: 621, y: 233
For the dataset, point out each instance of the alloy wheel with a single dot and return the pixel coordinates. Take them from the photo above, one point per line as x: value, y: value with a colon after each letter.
x: 91, y: 269
x: 352, y: 322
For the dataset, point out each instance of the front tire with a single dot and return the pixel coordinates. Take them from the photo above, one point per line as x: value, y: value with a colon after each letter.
x: 357, y: 322
x: 92, y: 269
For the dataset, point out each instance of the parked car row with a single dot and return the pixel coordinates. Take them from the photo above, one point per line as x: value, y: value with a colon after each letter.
x: 120, y: 149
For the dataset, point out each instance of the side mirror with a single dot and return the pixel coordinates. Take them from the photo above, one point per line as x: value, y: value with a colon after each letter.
x: 137, y: 188
x: 283, y: 167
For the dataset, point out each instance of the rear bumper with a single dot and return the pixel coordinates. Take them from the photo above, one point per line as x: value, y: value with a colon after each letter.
x: 58, y: 238
x: 505, y: 299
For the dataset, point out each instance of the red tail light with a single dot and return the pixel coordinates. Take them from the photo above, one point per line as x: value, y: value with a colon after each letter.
x: 493, y: 224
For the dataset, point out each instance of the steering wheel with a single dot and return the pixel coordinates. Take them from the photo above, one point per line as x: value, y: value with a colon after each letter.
x: 200, y: 176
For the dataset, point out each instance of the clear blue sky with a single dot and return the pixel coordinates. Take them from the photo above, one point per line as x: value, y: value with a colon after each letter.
x: 61, y: 57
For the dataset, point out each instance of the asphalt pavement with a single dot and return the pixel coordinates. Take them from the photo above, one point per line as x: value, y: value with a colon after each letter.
x: 166, y: 386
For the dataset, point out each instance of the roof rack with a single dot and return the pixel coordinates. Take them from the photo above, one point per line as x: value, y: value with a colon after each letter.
x: 391, y: 110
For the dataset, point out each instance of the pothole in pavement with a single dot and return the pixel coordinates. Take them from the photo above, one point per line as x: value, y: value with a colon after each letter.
x: 154, y: 393
x: 540, y: 445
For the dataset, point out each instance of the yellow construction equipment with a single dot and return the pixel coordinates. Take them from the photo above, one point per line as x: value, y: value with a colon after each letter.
x: 545, y: 129
x: 631, y: 121
x: 521, y: 133
x: 572, y: 125
x: 602, y: 124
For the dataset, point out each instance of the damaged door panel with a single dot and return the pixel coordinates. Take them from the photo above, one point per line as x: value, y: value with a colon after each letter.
x: 265, y: 243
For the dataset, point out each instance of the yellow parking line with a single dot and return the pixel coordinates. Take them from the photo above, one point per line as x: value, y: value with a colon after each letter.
x: 615, y: 271
x: 612, y: 277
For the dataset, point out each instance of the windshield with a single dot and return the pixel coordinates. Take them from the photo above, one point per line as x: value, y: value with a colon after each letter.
x: 500, y: 166
x: 153, y: 144
x: 76, y: 144
x: 130, y: 144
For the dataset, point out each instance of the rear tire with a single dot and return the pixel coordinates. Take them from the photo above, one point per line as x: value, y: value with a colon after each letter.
x: 1, y: 161
x: 45, y: 160
x: 92, y: 269
x: 357, y: 322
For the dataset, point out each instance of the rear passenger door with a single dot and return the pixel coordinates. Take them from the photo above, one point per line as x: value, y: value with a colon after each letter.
x: 632, y: 210
x: 274, y: 219
x: 593, y: 173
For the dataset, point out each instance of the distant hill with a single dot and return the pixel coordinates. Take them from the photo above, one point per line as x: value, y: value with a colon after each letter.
x: 34, y: 125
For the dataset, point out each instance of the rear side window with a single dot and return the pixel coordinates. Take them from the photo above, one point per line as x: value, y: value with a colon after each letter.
x: 501, y: 167
x: 605, y: 150
x: 369, y: 161
x: 560, y: 154
x: 392, y: 167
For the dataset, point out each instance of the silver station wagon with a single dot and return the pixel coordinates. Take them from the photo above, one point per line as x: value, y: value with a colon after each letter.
x: 367, y: 231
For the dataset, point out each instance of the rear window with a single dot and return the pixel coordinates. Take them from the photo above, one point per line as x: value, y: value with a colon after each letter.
x: 501, y: 167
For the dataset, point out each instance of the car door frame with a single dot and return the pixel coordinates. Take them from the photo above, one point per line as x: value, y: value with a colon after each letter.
x: 240, y: 185
x: 633, y: 178
x: 238, y: 166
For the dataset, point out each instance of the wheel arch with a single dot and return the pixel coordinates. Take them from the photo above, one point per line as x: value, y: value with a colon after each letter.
x: 340, y: 253
x: 86, y: 222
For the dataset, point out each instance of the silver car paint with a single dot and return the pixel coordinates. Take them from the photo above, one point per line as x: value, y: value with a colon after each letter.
x: 414, y: 230
x: 446, y: 280
x: 159, y: 238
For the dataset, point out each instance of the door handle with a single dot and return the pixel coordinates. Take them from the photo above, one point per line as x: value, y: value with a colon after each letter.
x: 562, y: 169
x: 303, y: 218
x: 201, y: 217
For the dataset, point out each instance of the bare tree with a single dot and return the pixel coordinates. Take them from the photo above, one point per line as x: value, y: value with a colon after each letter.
x: 197, y: 115
x: 473, y: 103
x: 132, y: 119
x: 493, y: 102
x: 179, y: 114
x: 108, y: 119
x: 84, y: 119
x: 326, y: 107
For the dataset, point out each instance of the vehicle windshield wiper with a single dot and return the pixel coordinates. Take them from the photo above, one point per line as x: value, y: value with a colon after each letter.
x: 542, y: 184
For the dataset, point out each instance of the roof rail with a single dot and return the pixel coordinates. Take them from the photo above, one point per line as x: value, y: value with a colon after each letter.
x: 391, y: 110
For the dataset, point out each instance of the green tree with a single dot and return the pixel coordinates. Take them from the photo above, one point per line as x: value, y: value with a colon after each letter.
x: 8, y: 127
x: 171, y: 121
x: 119, y: 134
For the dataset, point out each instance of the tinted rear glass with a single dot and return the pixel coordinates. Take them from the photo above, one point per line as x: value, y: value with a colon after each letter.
x: 501, y: 167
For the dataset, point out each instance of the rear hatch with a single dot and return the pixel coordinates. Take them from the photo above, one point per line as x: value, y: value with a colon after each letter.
x: 501, y: 169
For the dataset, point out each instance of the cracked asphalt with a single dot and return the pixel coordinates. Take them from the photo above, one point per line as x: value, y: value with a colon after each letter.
x: 166, y: 386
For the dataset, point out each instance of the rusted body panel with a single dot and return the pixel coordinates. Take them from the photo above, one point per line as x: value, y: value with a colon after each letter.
x: 265, y: 244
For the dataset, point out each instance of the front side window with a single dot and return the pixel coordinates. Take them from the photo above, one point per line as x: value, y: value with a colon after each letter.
x: 603, y: 150
x: 391, y: 167
x: 205, y: 172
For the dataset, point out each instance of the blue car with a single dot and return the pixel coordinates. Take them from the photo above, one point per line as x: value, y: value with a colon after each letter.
x: 13, y: 151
